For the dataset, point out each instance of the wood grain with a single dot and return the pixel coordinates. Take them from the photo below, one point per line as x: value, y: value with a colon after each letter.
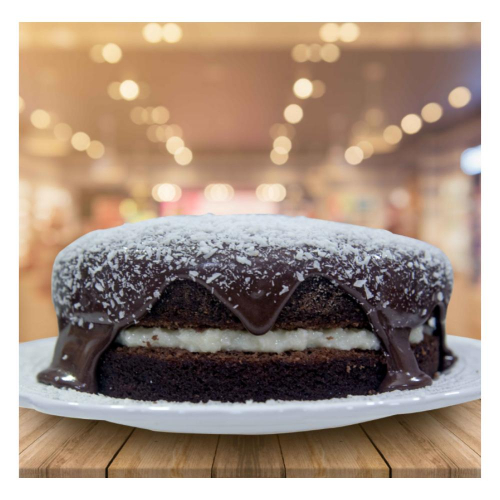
x: 156, y: 454
x: 418, y: 445
x: 343, y: 452
x: 33, y: 424
x: 74, y: 448
x: 248, y: 456
x: 464, y: 421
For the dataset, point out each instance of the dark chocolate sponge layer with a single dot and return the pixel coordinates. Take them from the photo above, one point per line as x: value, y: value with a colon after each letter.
x: 179, y: 375
x: 316, y: 303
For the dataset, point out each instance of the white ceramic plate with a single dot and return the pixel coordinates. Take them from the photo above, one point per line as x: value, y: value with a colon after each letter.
x: 460, y: 384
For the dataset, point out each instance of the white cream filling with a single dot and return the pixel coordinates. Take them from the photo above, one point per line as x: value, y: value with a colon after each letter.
x: 214, y: 340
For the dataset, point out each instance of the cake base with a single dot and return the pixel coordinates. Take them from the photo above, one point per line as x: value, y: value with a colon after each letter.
x: 153, y: 374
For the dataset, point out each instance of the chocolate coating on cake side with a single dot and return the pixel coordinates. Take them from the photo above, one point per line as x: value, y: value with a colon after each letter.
x: 108, y: 280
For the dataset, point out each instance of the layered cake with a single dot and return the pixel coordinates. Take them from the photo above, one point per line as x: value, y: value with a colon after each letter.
x: 248, y: 308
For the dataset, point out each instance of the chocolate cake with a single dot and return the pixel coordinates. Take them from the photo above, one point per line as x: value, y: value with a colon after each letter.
x: 254, y: 307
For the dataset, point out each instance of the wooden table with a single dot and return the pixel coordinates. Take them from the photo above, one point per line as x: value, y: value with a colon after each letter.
x: 439, y: 443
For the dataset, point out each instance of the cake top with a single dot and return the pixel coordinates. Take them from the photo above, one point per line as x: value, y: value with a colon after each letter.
x: 113, y: 276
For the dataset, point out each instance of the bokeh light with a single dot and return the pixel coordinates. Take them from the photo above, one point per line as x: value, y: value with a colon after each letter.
x: 271, y: 192
x: 80, y: 141
x: 172, y: 32
x: 95, y: 150
x: 329, y: 32
x: 367, y: 148
x: 432, y: 112
x: 349, y: 32
x: 114, y: 91
x: 152, y: 32
x: 63, y: 132
x: 40, y: 118
x: 319, y: 89
x: 293, y: 113
x: 111, y: 53
x: 174, y: 144
x: 166, y: 192
x: 278, y: 158
x: 411, y: 123
x: 129, y: 90
x: 160, y: 115
x: 282, y: 145
x: 183, y: 156
x: 219, y: 192
x: 303, y: 88
x: 459, y: 97
x: 300, y: 53
x: 330, y: 52
x: 392, y: 134
x: 353, y: 155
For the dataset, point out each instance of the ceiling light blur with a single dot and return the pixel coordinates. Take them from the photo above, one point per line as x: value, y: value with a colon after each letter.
x: 300, y: 53
x: 80, y: 141
x: 172, y: 32
x: 411, y: 123
x: 271, y: 192
x: 293, y: 113
x: 460, y: 97
x: 166, y: 193
x: 40, y: 118
x: 353, y: 155
x: 303, y: 88
x: 282, y: 145
x: 432, y: 112
x: 183, y: 156
x: 319, y: 89
x: 129, y: 90
x: 219, y: 192
x: 111, y: 53
x: 392, y: 134
x: 329, y: 32
x: 174, y: 144
x: 95, y: 150
x: 349, y: 32
x: 330, y: 53
x: 278, y: 158
x: 152, y: 32
x: 63, y: 132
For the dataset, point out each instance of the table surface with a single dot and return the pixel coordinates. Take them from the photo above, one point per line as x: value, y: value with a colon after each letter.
x: 438, y: 443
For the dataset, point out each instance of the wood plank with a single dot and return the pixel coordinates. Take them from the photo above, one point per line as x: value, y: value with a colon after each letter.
x: 417, y: 445
x: 464, y: 421
x: 32, y: 425
x: 33, y: 461
x: 248, y: 456
x: 89, y: 453
x: 343, y: 452
x: 157, y: 454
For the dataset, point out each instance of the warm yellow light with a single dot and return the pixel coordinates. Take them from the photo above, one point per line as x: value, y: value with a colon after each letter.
x: 392, y: 134
x: 300, y: 53
x: 319, y: 89
x: 349, y: 32
x: 139, y: 115
x: 330, y: 53
x: 129, y: 90
x: 151, y: 133
x: 329, y: 32
x: 144, y: 90
x: 303, y: 88
x: 315, y: 52
x: 111, y: 53
x: 127, y: 208
x: 219, y: 192
x: 40, y: 118
x: 411, y: 123
x: 22, y: 105
x: 282, y: 145
x: 367, y: 148
x: 80, y: 141
x: 63, y: 132
x: 460, y: 97
x: 278, y: 158
x: 183, y: 156
x: 160, y: 115
x: 160, y: 133
x: 432, y: 112
x: 174, y: 144
x: 271, y: 192
x: 353, y: 155
x: 293, y: 113
x: 96, y: 54
x: 114, y: 91
x: 95, y: 150
x: 172, y: 32
x: 152, y: 33
x: 166, y: 192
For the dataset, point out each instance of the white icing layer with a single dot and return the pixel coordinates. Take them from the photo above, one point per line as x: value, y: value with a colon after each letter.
x: 214, y: 340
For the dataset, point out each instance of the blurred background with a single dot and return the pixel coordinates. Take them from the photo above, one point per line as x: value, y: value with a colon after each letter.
x: 377, y: 124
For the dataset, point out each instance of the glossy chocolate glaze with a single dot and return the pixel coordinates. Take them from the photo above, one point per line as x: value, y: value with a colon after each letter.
x: 107, y: 280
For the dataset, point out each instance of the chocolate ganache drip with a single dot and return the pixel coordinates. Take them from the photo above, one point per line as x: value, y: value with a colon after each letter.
x: 107, y: 280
